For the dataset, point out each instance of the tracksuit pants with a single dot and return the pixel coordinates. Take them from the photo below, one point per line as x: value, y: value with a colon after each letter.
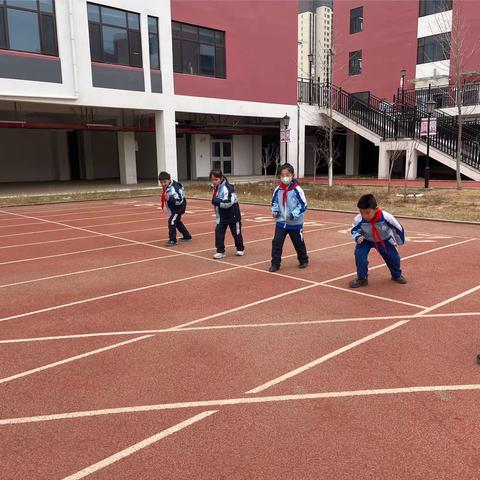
x: 220, y: 231
x: 389, y: 254
x: 296, y: 235
x: 175, y: 223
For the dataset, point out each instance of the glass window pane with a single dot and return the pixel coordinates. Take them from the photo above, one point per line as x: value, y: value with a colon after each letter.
x: 153, y: 25
x: 177, y: 56
x: 189, y: 57
x: 30, y: 4
x: 220, y: 62
x: 93, y: 13
x: 189, y: 32
x: 49, y: 37
x: 220, y: 38
x: 227, y: 149
x: 115, y: 45
x: 207, y: 60
x: 133, y: 21
x: 114, y: 17
x: 227, y: 167
x: 23, y: 31
x: 216, y: 149
x: 176, y: 30
x: 135, y: 49
x: 217, y: 165
x: 46, y: 6
x: 154, y: 54
x: 3, y: 33
x: 206, y: 35
x: 95, y: 43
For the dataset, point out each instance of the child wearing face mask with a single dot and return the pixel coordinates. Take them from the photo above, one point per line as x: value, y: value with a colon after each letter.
x: 288, y: 206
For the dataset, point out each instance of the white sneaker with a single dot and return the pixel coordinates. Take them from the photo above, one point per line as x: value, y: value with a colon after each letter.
x: 240, y: 253
x: 218, y: 256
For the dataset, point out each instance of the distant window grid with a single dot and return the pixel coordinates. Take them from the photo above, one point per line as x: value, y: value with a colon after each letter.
x: 198, y: 50
x: 355, y: 63
x: 28, y: 26
x: 356, y: 20
x: 434, y: 48
x: 114, y: 36
x: 430, y: 7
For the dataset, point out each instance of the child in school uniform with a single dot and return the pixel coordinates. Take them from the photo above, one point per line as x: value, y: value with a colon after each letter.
x: 373, y: 228
x: 173, y: 196
x: 227, y: 211
x: 288, y: 206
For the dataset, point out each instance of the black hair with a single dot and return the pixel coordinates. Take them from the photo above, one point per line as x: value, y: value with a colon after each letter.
x: 287, y: 166
x: 164, y: 176
x: 367, y: 201
x: 217, y: 173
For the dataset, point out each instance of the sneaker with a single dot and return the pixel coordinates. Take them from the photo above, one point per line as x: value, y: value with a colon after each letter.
x: 303, y: 265
x: 274, y: 268
x: 240, y: 253
x: 401, y: 279
x: 171, y: 243
x: 186, y: 239
x: 219, y: 255
x: 358, y: 282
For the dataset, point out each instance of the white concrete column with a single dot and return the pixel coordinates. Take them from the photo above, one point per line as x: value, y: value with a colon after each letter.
x: 411, y: 164
x: 383, y: 162
x: 87, y: 165
x: 60, y: 154
x: 352, y: 159
x: 166, y: 142
x: 257, y: 155
x: 127, y: 159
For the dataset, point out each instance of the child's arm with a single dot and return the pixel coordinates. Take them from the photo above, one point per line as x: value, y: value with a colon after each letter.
x: 301, y: 207
x: 397, y: 229
x: 226, y: 198
x: 173, y: 197
x: 356, y: 230
x: 275, y: 208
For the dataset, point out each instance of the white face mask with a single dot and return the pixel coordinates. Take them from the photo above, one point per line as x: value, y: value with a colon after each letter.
x: 286, y: 180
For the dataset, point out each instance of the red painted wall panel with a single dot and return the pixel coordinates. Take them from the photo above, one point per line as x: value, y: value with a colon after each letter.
x: 261, y: 49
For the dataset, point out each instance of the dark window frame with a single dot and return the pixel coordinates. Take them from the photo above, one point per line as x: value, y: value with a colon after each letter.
x: 4, y: 7
x: 430, y: 7
x: 156, y: 39
x: 100, y: 24
x: 439, y: 53
x: 218, y: 44
x: 356, y: 20
x: 355, y: 65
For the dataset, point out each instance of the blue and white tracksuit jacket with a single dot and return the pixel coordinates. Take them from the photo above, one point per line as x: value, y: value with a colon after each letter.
x: 227, y: 209
x: 175, y: 198
x: 290, y: 216
x: 391, y: 234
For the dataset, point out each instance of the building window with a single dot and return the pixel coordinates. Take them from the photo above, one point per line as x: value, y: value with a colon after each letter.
x: 114, y: 36
x: 28, y: 26
x: 198, y: 51
x: 430, y: 7
x: 153, y: 43
x: 434, y: 48
x: 356, y: 20
x: 355, y: 63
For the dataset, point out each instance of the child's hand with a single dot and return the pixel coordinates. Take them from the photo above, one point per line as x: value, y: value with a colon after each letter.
x: 360, y: 239
x: 274, y: 214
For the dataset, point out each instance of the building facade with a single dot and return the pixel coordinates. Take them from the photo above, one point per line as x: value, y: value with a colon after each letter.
x: 124, y: 89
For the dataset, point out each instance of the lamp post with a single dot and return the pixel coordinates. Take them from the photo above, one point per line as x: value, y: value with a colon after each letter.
x: 286, y: 122
x: 430, y: 108
x: 403, y: 72
x: 310, y: 63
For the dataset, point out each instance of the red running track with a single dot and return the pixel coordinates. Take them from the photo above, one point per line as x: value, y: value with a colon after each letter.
x: 121, y: 359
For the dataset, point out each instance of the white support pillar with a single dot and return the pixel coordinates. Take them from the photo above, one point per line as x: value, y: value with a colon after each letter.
x: 88, y: 166
x: 383, y: 162
x: 127, y: 158
x: 166, y: 142
x: 411, y: 164
x: 352, y: 159
x: 301, y: 147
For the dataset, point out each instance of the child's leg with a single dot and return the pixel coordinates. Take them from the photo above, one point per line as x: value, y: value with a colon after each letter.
x: 361, y: 258
x: 236, y: 229
x: 182, y: 228
x: 172, y: 227
x: 298, y: 242
x: 392, y: 259
x: 220, y: 230
x: 277, y: 245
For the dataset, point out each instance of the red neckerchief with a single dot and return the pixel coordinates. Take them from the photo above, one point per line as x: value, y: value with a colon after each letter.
x: 164, y: 195
x: 375, y: 232
x: 286, y: 189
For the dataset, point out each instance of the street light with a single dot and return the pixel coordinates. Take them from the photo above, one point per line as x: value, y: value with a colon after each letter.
x: 310, y: 62
x: 430, y: 108
x: 286, y: 122
x: 403, y: 72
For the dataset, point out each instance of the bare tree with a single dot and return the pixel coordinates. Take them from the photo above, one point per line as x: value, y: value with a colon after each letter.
x: 270, y: 154
x: 395, y: 155
x: 322, y: 152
